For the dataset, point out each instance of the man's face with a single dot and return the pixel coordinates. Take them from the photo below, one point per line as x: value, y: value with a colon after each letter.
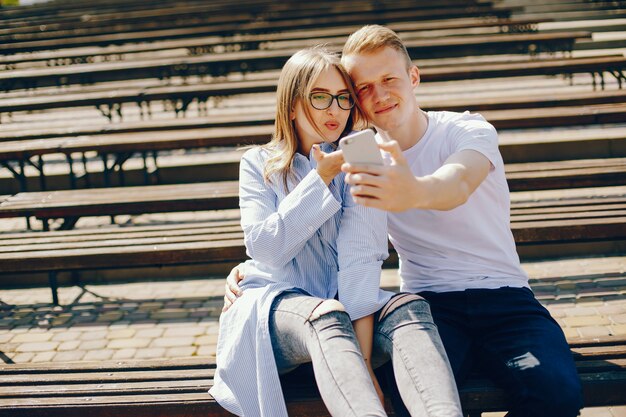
x: 384, y: 87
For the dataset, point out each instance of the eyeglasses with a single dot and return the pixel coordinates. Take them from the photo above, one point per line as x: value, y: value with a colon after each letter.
x: 322, y: 101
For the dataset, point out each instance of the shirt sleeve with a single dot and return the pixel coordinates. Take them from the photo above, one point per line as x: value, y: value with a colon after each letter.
x: 475, y: 133
x: 275, y: 232
x: 362, y: 246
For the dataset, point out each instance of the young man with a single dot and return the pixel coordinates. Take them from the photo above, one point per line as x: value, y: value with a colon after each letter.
x: 449, y: 221
x: 448, y: 204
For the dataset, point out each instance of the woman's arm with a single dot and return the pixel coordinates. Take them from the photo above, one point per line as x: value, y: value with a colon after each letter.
x: 274, y: 232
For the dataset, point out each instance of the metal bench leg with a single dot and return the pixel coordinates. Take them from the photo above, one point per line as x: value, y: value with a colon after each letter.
x: 52, y: 278
x: 70, y: 164
x: 86, y: 174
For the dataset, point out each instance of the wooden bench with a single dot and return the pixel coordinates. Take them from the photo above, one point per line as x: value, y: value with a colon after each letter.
x: 178, y: 387
x: 577, y: 221
x: 245, y: 23
x: 162, y: 16
x: 198, y: 41
x: 222, y: 64
x: 180, y: 97
x: 501, y: 119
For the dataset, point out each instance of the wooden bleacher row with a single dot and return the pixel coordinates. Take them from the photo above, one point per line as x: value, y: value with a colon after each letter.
x: 501, y: 119
x: 183, y: 95
x: 319, y: 14
x: 581, y: 221
x: 88, y: 51
x: 248, y: 61
x: 178, y: 387
x: 162, y: 16
x: 14, y: 155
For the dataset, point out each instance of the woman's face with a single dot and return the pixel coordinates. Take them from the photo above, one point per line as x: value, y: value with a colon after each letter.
x: 331, y: 121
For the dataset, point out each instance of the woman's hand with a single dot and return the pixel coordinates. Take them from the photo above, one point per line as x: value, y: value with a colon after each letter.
x: 328, y: 164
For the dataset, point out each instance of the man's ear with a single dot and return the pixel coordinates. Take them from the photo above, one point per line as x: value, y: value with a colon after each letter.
x: 414, y: 75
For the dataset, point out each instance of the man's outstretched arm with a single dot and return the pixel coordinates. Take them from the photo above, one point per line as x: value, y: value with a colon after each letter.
x: 395, y: 188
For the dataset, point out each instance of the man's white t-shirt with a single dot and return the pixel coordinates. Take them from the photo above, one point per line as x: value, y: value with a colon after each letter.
x: 472, y: 245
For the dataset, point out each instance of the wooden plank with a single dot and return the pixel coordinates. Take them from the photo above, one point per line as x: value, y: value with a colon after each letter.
x: 501, y: 119
x: 202, y: 92
x: 221, y: 64
x: 69, y: 53
x: 228, y: 26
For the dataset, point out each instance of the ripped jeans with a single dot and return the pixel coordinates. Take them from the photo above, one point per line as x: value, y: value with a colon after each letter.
x: 309, y: 329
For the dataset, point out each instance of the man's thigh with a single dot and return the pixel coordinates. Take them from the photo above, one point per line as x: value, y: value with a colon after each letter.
x: 449, y: 311
x: 522, y: 347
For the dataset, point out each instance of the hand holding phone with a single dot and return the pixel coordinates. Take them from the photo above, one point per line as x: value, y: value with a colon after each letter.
x: 360, y: 148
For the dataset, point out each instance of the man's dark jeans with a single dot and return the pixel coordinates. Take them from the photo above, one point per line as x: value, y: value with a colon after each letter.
x: 508, y: 335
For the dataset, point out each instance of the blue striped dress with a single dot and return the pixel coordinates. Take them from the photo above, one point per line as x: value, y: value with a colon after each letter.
x: 314, y: 239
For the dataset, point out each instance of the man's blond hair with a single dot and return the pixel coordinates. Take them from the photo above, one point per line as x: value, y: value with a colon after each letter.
x: 371, y: 38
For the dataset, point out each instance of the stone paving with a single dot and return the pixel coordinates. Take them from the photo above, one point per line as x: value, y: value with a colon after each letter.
x: 178, y: 319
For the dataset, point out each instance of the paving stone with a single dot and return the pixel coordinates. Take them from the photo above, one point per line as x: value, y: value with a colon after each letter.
x: 183, y: 331
x: 180, y: 352
x: 594, y: 331
x: 94, y: 335
x: 152, y: 333
x: 121, y: 333
x: 59, y: 321
x: 586, y: 321
x: 6, y: 337
x: 24, y: 357
x: 611, y: 282
x: 129, y: 343
x: 618, y: 411
x: 99, y: 355
x: 618, y: 329
x: 172, y: 341
x: 169, y: 314
x: 69, y: 356
x: 43, y: 357
x: 118, y: 325
x: 595, y: 412
x: 127, y: 353
x: 618, y: 318
x: 110, y: 316
x: 151, y: 353
x: 69, y: 345
x: 129, y: 306
x: 571, y: 333
x: 581, y: 311
x: 94, y: 344
x: 206, y: 351
x: 66, y: 336
x: 137, y: 315
x: 150, y: 306
x: 173, y: 304
x: 37, y: 346
x: 610, y: 309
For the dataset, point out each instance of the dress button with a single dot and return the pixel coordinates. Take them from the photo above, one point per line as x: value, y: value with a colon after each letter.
x: 310, y: 228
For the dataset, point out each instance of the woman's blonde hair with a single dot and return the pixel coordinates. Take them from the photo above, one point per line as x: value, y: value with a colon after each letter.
x: 296, y: 81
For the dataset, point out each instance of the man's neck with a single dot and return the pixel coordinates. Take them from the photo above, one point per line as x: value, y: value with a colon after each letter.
x: 409, y: 133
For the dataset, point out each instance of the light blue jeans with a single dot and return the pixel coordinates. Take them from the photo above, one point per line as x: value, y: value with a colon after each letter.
x: 309, y: 329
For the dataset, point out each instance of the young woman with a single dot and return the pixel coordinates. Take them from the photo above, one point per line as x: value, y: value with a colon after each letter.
x: 315, y: 268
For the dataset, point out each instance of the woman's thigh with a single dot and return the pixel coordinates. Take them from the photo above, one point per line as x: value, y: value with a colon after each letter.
x: 290, y: 327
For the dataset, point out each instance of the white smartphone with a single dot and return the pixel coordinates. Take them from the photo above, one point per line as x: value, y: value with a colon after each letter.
x: 360, y: 148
